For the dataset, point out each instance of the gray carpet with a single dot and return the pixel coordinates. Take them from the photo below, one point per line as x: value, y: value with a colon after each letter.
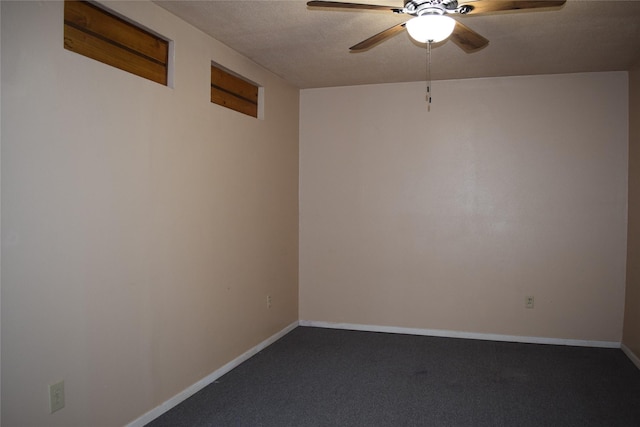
x: 325, y: 377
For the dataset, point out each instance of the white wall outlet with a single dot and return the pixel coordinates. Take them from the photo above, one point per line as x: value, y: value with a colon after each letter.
x: 56, y: 396
x: 528, y: 302
x: 268, y: 301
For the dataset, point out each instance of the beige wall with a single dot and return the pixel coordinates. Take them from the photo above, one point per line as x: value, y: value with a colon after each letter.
x: 0, y: 222
x: 446, y: 220
x: 631, y: 336
x: 143, y: 227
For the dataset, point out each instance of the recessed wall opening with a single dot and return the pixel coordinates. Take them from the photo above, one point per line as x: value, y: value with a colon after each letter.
x: 235, y: 92
x: 97, y: 33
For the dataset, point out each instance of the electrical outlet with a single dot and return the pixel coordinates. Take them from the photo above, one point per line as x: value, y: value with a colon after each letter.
x: 268, y: 301
x: 56, y: 396
x: 528, y: 302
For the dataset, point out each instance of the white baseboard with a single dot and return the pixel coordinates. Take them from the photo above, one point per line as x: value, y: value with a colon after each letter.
x: 193, y: 389
x: 635, y: 359
x: 457, y: 334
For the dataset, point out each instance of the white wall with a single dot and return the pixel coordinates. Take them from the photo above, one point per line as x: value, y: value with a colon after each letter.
x: 142, y: 226
x: 447, y: 219
x: 631, y: 336
x: 0, y: 223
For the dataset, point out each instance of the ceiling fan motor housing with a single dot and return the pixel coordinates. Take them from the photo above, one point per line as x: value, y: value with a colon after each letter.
x: 433, y: 7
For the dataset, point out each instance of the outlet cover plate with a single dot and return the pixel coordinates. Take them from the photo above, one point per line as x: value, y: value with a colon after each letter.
x: 528, y: 302
x: 56, y: 396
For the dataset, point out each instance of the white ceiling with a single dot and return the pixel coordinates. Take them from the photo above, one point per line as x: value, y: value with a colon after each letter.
x: 310, y: 47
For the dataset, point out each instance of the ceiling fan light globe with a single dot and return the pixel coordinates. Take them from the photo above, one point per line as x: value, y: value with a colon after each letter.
x: 430, y: 28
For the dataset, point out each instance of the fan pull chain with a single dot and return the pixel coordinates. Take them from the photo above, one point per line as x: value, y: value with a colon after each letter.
x: 428, y: 96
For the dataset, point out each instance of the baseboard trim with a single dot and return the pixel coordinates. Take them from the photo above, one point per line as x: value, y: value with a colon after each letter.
x: 630, y: 354
x: 193, y: 389
x: 457, y: 334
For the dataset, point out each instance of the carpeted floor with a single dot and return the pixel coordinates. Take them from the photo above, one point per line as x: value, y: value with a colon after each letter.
x: 326, y: 377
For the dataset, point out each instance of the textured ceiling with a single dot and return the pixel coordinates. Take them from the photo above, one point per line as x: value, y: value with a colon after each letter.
x: 310, y: 47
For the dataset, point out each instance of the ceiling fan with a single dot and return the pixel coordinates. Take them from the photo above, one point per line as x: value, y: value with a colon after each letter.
x: 430, y: 23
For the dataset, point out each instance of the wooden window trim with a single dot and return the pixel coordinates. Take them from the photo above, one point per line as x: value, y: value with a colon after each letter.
x: 99, y: 34
x: 234, y: 92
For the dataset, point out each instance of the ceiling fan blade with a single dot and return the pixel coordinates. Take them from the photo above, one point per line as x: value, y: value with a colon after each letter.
x: 467, y: 39
x: 336, y: 4
x: 381, y: 36
x: 489, y: 6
